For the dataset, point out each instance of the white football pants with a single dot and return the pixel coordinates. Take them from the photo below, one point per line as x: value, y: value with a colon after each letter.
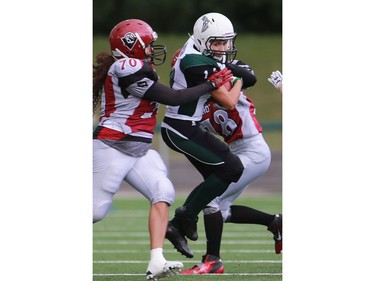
x: 147, y: 174
x: 255, y: 156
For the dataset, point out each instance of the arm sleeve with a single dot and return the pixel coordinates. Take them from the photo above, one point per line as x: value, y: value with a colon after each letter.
x: 165, y: 95
x: 245, y: 73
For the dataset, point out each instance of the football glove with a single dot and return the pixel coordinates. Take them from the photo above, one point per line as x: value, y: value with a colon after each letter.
x: 276, y: 78
x: 220, y: 78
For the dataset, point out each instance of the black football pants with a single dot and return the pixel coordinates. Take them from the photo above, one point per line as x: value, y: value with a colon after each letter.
x: 209, y: 155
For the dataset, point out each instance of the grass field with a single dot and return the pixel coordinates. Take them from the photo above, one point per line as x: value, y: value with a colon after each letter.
x: 121, y: 245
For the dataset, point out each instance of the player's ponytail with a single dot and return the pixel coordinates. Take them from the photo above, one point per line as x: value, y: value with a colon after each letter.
x: 100, y: 69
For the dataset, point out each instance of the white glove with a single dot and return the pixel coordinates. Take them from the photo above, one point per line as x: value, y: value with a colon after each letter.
x: 276, y: 79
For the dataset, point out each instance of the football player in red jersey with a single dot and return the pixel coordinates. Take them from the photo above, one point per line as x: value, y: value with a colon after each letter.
x: 126, y: 85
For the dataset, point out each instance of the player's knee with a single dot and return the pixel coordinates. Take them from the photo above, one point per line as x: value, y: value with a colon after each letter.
x: 164, y: 191
x: 237, y: 168
x: 100, y: 210
x: 232, y: 170
x: 211, y: 209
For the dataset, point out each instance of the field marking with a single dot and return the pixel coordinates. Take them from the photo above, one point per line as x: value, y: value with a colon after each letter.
x: 248, y: 228
x: 223, y: 274
x: 174, y: 251
x: 146, y: 242
x: 192, y: 261
x: 146, y: 234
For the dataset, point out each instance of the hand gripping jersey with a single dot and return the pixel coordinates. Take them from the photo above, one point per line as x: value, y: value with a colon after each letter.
x: 123, y: 112
x: 194, y: 67
x: 238, y: 123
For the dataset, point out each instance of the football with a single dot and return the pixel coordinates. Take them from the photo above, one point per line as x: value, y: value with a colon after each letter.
x: 230, y: 84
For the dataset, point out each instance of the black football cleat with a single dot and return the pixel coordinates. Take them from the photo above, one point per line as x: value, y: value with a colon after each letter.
x: 178, y: 240
x: 276, y: 227
x: 187, y: 225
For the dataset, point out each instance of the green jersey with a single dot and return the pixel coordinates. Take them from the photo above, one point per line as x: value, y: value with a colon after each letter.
x: 191, y: 68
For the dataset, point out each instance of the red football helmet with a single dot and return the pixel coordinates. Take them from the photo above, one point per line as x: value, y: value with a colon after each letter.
x: 131, y: 38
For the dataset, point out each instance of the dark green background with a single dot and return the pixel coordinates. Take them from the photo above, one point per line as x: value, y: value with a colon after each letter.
x: 170, y: 16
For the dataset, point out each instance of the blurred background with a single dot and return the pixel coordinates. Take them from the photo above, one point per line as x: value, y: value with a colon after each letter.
x: 258, y: 24
x: 170, y: 16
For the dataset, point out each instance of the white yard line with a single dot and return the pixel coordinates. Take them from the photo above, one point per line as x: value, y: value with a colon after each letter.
x: 146, y: 242
x: 190, y: 261
x: 174, y: 251
x: 146, y: 234
x: 223, y: 274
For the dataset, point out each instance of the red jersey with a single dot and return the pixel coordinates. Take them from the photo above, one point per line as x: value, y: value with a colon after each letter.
x: 237, y: 123
x: 123, y: 110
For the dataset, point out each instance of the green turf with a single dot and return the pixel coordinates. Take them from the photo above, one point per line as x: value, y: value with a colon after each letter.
x: 121, y: 245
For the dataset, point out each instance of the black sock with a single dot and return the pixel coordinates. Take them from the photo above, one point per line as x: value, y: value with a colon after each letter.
x: 204, y: 193
x: 213, y: 224
x: 243, y: 214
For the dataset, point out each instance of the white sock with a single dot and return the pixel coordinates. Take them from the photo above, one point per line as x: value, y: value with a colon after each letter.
x: 157, y: 259
x: 157, y: 253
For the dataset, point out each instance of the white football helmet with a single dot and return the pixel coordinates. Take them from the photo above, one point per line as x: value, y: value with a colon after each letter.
x: 215, y: 26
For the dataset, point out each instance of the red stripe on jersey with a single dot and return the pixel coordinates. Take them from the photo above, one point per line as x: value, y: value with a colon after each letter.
x: 252, y: 113
x: 143, y: 118
x: 109, y: 134
x: 109, y: 96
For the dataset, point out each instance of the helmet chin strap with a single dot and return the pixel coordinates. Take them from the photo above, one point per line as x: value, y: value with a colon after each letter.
x: 221, y: 59
x: 143, y: 43
x: 140, y: 40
